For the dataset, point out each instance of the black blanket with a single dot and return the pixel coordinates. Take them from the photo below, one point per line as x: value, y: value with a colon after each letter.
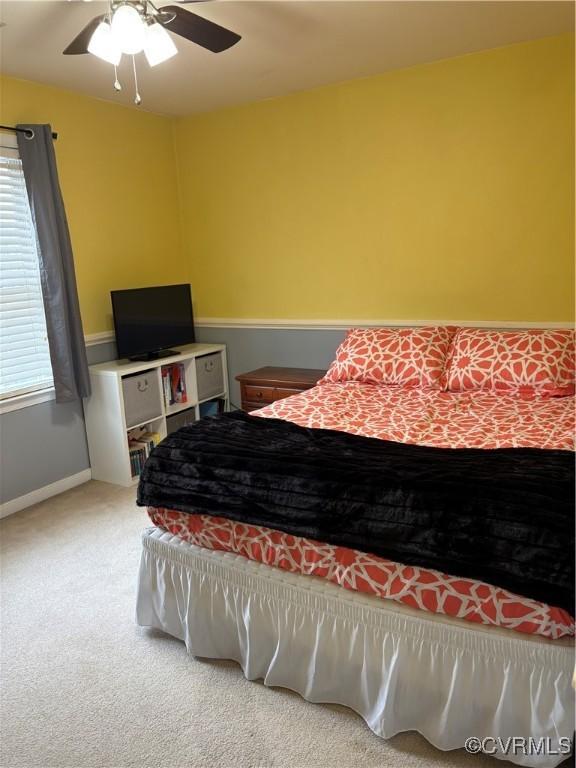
x: 503, y: 516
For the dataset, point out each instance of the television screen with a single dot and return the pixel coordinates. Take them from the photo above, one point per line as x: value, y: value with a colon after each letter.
x: 149, y: 320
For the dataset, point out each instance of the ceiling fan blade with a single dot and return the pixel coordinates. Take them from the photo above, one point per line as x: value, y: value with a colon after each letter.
x: 196, y: 29
x: 80, y: 42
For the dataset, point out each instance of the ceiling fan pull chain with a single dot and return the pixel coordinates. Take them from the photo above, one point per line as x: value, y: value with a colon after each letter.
x: 117, y: 83
x: 137, y: 98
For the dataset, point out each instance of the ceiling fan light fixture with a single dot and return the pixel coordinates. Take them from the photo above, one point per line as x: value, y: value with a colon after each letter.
x: 128, y: 29
x: 158, y: 46
x: 103, y: 44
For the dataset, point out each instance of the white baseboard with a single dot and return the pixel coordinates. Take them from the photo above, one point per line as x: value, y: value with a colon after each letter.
x: 40, y: 494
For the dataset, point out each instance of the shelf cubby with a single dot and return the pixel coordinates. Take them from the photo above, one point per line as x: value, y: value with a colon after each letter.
x: 117, y: 387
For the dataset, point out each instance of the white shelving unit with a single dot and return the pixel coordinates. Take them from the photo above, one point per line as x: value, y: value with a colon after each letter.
x: 122, y: 388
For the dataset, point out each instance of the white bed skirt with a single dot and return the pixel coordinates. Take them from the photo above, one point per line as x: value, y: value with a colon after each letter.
x: 399, y: 669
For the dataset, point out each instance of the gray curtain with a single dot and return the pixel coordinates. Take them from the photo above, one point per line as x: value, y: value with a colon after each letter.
x: 65, y: 334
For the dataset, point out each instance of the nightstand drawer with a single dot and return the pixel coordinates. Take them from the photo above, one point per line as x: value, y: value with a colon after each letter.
x: 266, y: 385
x: 255, y: 394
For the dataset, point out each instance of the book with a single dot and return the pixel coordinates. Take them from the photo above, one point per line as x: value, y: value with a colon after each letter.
x: 166, y: 386
x: 141, y: 442
x: 174, y: 384
x: 178, y: 383
x: 137, y: 457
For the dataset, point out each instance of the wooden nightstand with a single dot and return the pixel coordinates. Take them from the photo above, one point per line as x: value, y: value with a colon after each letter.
x: 264, y: 386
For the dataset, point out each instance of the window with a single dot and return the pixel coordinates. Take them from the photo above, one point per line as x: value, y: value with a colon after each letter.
x: 24, y: 355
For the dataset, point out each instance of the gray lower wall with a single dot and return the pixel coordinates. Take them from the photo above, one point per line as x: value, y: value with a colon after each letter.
x: 45, y: 443
x: 40, y: 445
x: 250, y: 348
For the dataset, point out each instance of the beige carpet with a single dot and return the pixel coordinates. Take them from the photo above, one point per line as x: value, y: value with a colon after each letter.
x: 83, y: 686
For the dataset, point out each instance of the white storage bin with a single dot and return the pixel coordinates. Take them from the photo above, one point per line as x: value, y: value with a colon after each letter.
x: 142, y: 400
x: 209, y: 375
x: 182, y: 419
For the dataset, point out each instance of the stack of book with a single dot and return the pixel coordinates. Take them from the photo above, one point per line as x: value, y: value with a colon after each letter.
x: 140, y: 444
x: 174, y: 383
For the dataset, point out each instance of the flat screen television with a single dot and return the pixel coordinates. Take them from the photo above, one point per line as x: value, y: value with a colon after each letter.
x: 148, y: 321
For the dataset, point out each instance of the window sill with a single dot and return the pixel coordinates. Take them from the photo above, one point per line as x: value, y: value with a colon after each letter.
x: 26, y: 400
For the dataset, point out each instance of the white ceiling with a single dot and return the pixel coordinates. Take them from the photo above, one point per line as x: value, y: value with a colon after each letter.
x: 287, y: 45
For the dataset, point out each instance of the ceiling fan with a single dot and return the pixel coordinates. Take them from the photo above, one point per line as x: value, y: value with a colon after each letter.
x: 132, y: 26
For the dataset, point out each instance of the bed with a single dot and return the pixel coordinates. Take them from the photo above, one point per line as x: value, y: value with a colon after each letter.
x: 412, y: 631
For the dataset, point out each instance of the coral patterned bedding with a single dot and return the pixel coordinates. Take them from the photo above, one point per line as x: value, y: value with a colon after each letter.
x: 480, y: 419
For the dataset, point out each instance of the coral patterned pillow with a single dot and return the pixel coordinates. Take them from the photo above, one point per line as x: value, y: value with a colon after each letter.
x: 535, y: 362
x: 407, y: 357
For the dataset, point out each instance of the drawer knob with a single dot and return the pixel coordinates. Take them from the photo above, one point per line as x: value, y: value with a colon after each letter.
x: 259, y: 394
x: 142, y: 385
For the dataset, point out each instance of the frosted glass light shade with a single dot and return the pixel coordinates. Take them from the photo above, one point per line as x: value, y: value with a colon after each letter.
x: 159, y: 46
x: 128, y: 29
x: 103, y: 44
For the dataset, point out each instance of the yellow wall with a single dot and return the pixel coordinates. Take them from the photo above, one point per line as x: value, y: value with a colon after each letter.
x: 118, y: 176
x: 442, y: 191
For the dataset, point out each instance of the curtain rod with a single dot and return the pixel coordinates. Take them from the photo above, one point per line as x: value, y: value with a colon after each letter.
x: 22, y: 130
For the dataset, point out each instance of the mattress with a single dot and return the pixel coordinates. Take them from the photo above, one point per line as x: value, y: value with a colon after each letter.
x: 417, y: 587
x: 415, y: 416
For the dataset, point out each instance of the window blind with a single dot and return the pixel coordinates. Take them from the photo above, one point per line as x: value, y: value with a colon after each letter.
x: 24, y: 355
